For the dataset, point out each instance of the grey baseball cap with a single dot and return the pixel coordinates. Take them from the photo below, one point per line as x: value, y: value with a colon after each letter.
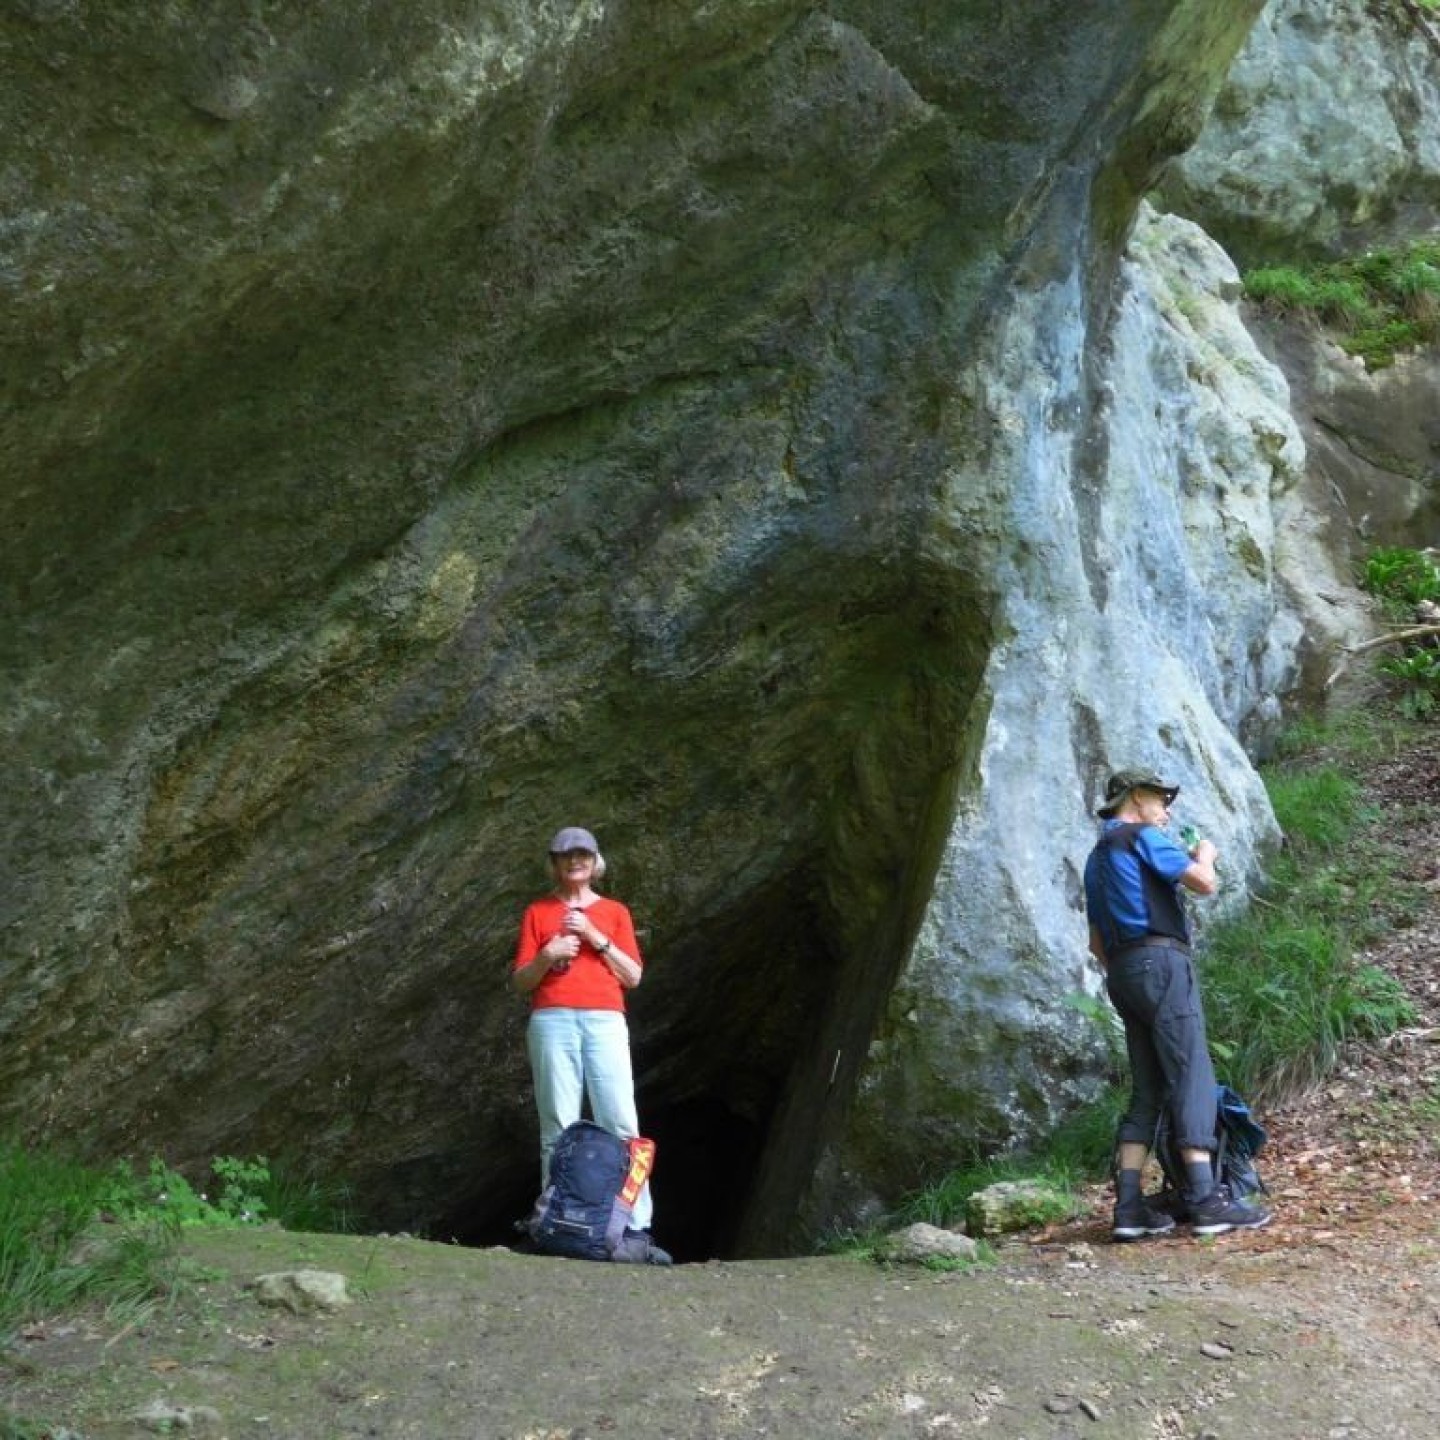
x: 572, y: 837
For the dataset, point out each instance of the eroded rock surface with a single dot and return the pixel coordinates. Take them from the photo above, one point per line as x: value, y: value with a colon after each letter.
x: 426, y: 426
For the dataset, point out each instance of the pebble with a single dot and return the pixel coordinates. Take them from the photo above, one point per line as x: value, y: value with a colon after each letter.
x: 1216, y: 1350
x: 1064, y: 1404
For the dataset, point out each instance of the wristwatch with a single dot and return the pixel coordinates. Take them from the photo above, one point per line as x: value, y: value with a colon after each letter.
x: 603, y: 949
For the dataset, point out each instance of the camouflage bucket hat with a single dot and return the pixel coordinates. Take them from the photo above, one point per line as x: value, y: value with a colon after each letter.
x: 1122, y: 782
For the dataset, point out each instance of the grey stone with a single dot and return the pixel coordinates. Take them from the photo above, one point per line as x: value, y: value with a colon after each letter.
x: 1011, y: 1205
x: 1325, y: 137
x: 164, y: 1417
x: 920, y: 1242
x: 302, y: 1290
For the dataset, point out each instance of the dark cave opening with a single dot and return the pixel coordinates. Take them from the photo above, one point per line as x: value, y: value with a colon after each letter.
x: 705, y: 1161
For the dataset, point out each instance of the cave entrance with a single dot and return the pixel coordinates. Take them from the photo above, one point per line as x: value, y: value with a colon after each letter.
x: 706, y: 1158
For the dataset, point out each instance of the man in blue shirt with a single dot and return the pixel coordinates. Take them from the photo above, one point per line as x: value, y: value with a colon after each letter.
x: 1140, y: 938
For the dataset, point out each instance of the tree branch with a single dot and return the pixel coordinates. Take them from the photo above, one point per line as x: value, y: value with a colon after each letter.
x: 1415, y: 632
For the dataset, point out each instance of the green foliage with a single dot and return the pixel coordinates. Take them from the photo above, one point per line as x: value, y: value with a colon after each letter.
x: 299, y: 1200
x: 163, y: 1191
x: 59, y: 1249
x: 944, y: 1203
x: 1377, y: 304
x: 1285, y: 987
x: 71, y: 1234
x: 1318, y: 808
x: 950, y: 1264
x: 1285, y: 997
x: 1418, y: 672
x: 245, y: 1192
x: 1083, y: 1144
x: 12, y: 1427
x: 1402, y: 580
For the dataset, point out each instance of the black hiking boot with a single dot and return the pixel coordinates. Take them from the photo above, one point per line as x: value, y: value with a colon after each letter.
x: 1139, y: 1220
x: 1219, y: 1212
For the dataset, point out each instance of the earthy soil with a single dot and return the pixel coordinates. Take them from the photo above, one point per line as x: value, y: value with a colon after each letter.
x: 1325, y: 1326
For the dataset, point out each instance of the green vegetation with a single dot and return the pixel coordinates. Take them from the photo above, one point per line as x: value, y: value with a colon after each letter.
x: 58, y: 1250
x: 1377, y: 304
x: 244, y: 1192
x: 1407, y: 584
x: 1285, y: 991
x: 944, y: 1204
x: 1401, y: 579
x: 72, y: 1235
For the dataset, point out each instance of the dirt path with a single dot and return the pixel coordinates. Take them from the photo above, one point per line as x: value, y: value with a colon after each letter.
x: 1062, y: 1339
x: 1326, y: 1326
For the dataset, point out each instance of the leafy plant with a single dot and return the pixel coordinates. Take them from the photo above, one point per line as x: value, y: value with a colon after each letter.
x: 1418, y: 672
x: 245, y: 1192
x: 1402, y: 577
x: 1404, y: 580
x: 1318, y: 808
x: 1285, y: 998
x: 944, y: 1203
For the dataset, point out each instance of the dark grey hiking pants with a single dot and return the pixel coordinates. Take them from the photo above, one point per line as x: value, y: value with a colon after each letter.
x: 1153, y: 988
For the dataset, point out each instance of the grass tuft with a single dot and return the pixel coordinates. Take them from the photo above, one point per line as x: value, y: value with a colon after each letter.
x: 1376, y: 305
x: 58, y: 1249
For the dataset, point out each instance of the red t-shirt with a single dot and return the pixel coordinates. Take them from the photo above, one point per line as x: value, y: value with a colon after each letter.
x: 588, y: 984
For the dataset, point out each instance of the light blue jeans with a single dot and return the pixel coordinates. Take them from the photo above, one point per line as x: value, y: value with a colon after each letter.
x: 580, y: 1053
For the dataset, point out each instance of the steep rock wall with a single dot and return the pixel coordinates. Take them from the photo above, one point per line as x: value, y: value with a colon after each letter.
x: 1178, y: 600
x: 1325, y: 140
x: 426, y: 426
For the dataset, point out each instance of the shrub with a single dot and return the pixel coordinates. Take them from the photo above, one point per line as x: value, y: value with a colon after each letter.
x: 1401, y: 577
x: 244, y: 1192
x: 1285, y: 989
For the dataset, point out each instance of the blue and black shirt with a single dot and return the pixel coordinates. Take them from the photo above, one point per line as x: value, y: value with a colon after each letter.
x: 1132, y: 885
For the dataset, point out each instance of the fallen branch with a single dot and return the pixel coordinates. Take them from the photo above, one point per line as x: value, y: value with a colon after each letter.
x: 1415, y: 632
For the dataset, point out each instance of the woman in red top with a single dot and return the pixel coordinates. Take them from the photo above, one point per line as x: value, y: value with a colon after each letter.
x: 576, y: 957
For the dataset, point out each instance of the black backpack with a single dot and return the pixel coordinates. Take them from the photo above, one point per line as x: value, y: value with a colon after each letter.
x: 586, y: 1209
x: 1239, y: 1138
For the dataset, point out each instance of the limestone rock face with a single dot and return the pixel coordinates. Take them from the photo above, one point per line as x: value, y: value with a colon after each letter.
x: 424, y: 426
x: 1372, y: 438
x: 1325, y: 137
x: 1167, y: 597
